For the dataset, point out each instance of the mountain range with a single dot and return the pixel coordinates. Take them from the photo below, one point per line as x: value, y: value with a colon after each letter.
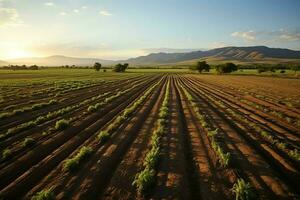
x: 234, y: 54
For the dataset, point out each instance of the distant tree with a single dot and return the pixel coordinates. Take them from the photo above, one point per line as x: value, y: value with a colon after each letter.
x: 202, y: 66
x: 97, y: 66
x: 226, y: 68
x: 121, y: 67
x: 33, y: 67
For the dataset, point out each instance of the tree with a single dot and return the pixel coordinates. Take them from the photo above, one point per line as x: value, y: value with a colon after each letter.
x: 226, y: 68
x: 121, y: 67
x: 33, y: 67
x: 97, y: 66
x: 202, y: 66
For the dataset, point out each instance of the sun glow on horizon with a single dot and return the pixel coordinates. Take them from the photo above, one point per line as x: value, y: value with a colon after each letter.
x: 18, y: 53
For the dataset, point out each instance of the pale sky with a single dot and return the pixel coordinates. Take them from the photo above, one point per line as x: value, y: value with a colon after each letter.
x: 119, y: 29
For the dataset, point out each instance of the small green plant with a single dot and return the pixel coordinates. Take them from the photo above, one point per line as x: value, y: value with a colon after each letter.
x: 242, y: 190
x: 61, y: 124
x: 144, y: 180
x: 46, y: 194
x: 72, y: 164
x: 152, y: 157
x: 295, y: 154
x: 28, y: 142
x: 6, y: 154
x: 103, y: 136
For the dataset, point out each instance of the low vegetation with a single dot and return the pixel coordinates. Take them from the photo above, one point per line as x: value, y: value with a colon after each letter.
x: 72, y: 164
x: 28, y: 142
x: 6, y: 154
x: 46, y: 194
x: 62, y: 124
x: 26, y: 109
x: 242, y: 190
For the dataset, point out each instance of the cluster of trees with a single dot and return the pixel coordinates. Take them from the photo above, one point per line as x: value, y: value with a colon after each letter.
x: 21, y: 67
x: 201, y: 66
x: 97, y: 66
x: 226, y: 68
x: 220, y: 69
x: 120, y: 67
x: 117, y: 68
x: 274, y: 68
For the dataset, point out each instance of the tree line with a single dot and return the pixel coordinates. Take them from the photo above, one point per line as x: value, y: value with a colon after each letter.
x: 203, y: 66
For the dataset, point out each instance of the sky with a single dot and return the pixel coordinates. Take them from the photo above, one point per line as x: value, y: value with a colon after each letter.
x: 119, y: 29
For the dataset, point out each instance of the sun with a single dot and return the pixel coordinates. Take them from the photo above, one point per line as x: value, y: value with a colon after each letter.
x: 18, y: 53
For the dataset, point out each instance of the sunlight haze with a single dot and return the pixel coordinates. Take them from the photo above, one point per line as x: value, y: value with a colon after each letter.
x: 111, y: 29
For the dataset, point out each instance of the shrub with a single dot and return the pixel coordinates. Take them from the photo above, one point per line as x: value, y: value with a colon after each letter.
x: 242, y: 190
x: 44, y: 195
x: 61, y: 124
x: 28, y: 142
x: 103, y: 136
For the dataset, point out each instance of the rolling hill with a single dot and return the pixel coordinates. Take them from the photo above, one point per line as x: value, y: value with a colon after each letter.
x: 254, y: 53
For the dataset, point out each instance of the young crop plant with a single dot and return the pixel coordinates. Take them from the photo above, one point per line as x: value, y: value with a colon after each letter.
x: 46, y: 194
x: 28, y: 142
x: 6, y: 154
x: 103, y: 136
x: 72, y: 164
x: 295, y: 154
x: 62, y: 124
x: 242, y: 190
x: 144, y: 180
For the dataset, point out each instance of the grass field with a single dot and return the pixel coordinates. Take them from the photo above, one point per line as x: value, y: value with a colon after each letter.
x: 81, y: 134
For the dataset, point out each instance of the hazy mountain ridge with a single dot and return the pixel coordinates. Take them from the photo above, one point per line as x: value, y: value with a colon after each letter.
x: 240, y: 53
x: 58, y: 60
x: 249, y: 54
x: 3, y: 63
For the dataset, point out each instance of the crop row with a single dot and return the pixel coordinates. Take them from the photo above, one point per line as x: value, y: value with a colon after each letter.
x: 280, y: 115
x: 223, y: 158
x: 241, y: 188
x: 26, y: 109
x: 274, y: 140
x: 64, y: 123
x: 145, y: 179
x: 54, y: 114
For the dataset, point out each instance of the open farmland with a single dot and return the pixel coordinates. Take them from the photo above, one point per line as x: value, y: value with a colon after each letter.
x: 80, y: 134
